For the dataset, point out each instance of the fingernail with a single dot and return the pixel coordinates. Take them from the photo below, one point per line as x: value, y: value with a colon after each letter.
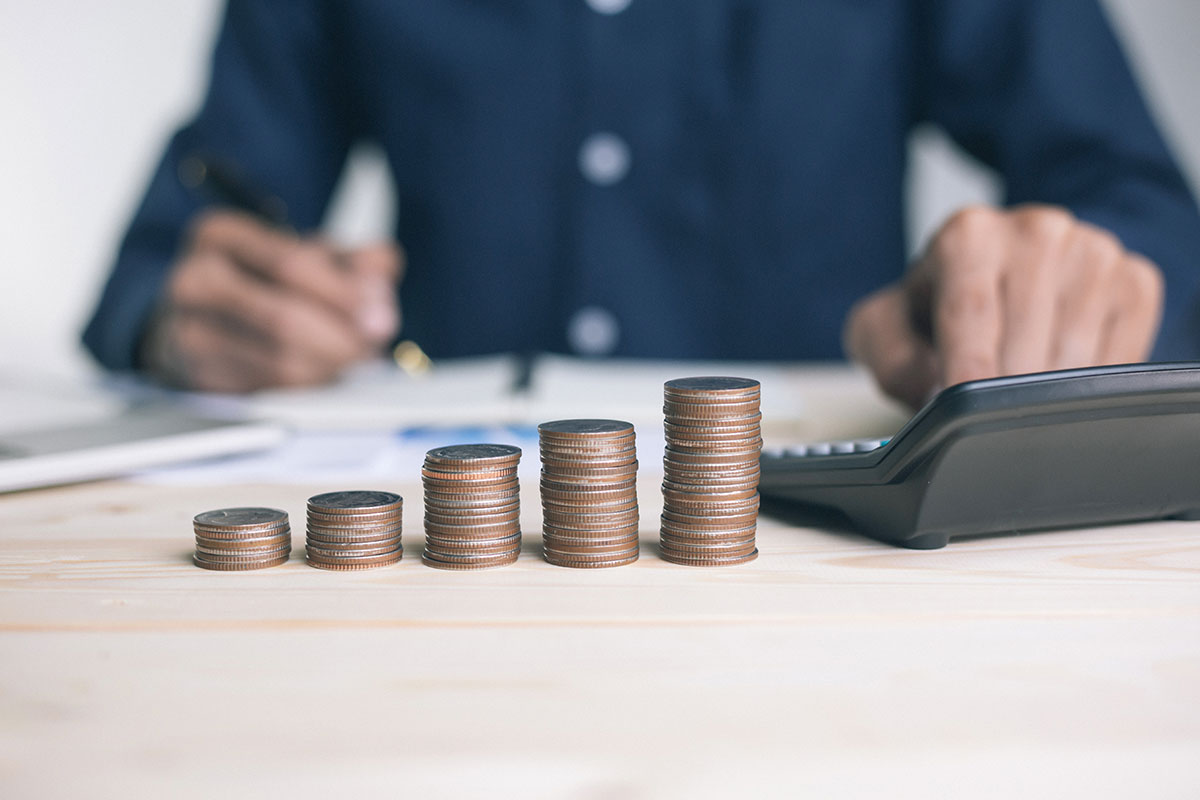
x: 378, y: 320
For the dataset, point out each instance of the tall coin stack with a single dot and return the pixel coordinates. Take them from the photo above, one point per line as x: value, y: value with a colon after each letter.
x: 472, y: 506
x: 242, y: 538
x: 710, y: 485
x: 354, y: 530
x: 589, y: 492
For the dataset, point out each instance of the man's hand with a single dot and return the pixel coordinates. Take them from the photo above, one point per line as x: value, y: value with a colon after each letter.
x: 1003, y: 293
x: 249, y: 307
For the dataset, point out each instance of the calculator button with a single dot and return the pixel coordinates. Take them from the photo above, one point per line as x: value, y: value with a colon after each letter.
x: 843, y: 447
x: 867, y: 445
x: 820, y: 449
x: 797, y: 451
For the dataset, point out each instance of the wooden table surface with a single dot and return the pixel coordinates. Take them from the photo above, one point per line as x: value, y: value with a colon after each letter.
x: 1062, y: 664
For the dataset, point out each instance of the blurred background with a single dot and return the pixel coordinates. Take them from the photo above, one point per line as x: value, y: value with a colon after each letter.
x: 90, y: 93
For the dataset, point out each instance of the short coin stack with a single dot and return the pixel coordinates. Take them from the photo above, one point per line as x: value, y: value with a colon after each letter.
x: 242, y: 538
x: 472, y: 506
x: 589, y: 492
x: 354, y: 530
x: 710, y: 486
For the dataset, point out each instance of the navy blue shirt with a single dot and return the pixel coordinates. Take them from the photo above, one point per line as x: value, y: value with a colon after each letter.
x: 723, y: 178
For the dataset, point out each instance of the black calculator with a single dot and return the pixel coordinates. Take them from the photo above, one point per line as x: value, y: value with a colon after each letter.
x: 1009, y: 455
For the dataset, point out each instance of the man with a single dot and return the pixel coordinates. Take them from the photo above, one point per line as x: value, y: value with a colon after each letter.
x: 664, y: 178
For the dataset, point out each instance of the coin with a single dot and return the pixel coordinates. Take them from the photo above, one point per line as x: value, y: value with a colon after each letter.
x: 241, y: 538
x: 711, y: 470
x: 356, y: 529
x: 472, y: 506
x: 355, y: 502
x: 473, y: 456
x: 237, y: 518
x: 589, y: 492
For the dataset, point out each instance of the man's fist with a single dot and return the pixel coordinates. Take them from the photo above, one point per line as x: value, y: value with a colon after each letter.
x: 1003, y: 293
x: 249, y: 307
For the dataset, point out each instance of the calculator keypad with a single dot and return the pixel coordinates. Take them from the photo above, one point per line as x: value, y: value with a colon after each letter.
x: 827, y: 448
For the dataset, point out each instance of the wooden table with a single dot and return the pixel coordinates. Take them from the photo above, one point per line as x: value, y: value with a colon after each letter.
x: 1062, y: 664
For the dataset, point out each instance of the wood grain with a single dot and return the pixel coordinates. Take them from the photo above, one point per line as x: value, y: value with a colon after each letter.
x: 1063, y: 664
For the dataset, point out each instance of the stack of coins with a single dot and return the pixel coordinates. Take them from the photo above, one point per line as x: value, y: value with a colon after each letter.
x: 242, y: 538
x: 589, y: 492
x: 353, y: 530
x: 710, y: 487
x: 472, y: 506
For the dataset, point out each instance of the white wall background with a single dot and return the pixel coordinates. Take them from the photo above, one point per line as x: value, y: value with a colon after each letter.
x: 90, y: 91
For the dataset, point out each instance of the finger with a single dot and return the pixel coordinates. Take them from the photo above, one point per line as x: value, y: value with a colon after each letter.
x: 1030, y: 288
x: 305, y: 267
x: 295, y: 327
x: 960, y: 273
x: 378, y: 269
x: 215, y: 357
x: 880, y: 335
x: 1090, y: 261
x: 1134, y: 320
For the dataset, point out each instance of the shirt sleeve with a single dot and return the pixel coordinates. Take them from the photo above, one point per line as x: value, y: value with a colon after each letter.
x: 275, y: 109
x: 1041, y: 92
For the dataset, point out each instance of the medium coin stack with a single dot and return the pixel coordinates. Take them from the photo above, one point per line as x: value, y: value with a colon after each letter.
x: 589, y: 492
x: 242, y: 538
x: 472, y: 506
x: 710, y: 486
x: 353, y: 530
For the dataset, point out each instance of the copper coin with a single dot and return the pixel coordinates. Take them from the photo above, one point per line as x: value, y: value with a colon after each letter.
x: 726, y: 424
x: 239, y: 566
x: 686, y: 495
x: 355, y: 541
x: 473, y: 511
x: 722, y: 549
x: 589, y: 450
x: 573, y: 564
x: 551, y: 545
x: 248, y: 543
x: 709, y: 562
x: 502, y: 543
x: 238, y: 556
x: 499, y: 562
x: 458, y: 499
x: 589, y: 534
x: 748, y: 457
x: 700, y: 524
x: 355, y: 564
x: 468, y: 477
x: 576, y: 487
x: 699, y: 414
x: 496, y: 529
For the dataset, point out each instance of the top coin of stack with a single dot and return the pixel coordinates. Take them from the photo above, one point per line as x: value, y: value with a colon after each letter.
x: 589, y: 492
x: 472, y: 506
x: 710, y: 485
x: 242, y: 538
x: 354, y: 530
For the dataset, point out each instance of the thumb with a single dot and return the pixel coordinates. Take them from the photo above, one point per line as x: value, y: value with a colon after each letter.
x: 880, y: 335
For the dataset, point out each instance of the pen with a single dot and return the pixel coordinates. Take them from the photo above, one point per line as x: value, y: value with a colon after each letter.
x: 222, y: 180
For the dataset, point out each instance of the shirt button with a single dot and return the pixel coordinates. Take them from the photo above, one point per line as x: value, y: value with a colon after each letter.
x: 593, y: 331
x: 608, y: 6
x: 604, y: 159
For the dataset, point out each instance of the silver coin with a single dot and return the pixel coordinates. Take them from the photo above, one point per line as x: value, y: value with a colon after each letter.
x: 240, y: 517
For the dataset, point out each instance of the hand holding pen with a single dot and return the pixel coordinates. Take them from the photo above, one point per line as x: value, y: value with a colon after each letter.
x: 250, y: 304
